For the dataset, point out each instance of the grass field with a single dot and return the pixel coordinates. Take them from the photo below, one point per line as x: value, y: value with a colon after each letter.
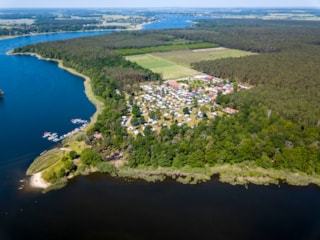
x: 167, y: 68
x: 176, y: 64
x: 186, y: 57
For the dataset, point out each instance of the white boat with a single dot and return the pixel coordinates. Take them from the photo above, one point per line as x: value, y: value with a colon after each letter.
x: 46, y: 134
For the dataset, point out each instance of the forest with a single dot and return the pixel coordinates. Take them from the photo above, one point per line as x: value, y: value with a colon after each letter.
x: 278, y: 123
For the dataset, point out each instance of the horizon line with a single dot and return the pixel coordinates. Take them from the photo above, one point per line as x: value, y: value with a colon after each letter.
x: 181, y: 7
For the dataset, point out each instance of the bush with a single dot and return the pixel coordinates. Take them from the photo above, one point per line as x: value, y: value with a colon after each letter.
x: 89, y: 157
x: 106, y: 167
x: 73, y: 154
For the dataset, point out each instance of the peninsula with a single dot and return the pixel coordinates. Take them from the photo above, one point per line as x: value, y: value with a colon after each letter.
x: 233, y: 117
x: 15, y: 23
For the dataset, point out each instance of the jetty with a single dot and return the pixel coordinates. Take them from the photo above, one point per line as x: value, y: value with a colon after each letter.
x: 53, y: 136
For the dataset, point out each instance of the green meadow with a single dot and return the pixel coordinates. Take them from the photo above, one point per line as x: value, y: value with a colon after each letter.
x: 167, y: 68
x: 176, y: 64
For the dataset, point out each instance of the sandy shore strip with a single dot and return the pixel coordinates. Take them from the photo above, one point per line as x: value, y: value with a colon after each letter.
x: 37, y: 181
x: 88, y: 91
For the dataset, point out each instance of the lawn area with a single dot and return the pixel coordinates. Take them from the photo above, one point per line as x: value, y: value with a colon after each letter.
x: 176, y: 64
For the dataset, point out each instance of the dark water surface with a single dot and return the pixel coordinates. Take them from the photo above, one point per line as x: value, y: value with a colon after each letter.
x: 99, y: 207
x: 41, y: 97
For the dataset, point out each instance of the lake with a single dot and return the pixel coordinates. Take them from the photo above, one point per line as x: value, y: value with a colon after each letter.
x: 41, y: 97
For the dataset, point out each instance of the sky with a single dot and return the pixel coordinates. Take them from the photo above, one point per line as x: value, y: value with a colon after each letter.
x: 155, y: 3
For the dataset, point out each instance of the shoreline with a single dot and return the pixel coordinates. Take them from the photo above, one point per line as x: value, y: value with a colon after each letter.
x: 8, y: 37
x: 131, y: 28
x: 235, y: 174
x: 86, y: 80
x: 36, y: 181
x: 88, y: 92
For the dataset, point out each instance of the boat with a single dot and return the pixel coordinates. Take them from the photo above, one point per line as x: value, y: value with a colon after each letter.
x: 78, y: 121
x: 54, y: 137
x: 46, y: 134
x: 43, y: 152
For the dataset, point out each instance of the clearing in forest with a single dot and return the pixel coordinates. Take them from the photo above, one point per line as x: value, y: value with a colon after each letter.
x: 176, y: 64
x: 167, y: 68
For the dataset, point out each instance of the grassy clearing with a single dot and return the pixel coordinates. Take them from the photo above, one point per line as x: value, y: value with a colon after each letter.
x: 176, y: 64
x: 52, y: 158
x: 186, y: 57
x: 45, y: 161
x: 168, y: 69
x: 164, y: 48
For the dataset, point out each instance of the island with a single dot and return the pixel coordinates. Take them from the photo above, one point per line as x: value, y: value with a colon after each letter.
x: 232, y: 98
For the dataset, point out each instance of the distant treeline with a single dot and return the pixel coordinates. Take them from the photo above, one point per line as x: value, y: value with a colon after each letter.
x: 277, y: 125
x: 53, y: 25
x: 166, y: 48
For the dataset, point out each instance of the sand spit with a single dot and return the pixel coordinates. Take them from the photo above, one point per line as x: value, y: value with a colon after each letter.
x: 36, y: 181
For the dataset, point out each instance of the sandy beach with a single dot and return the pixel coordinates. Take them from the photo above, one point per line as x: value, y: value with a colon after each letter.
x: 37, y: 181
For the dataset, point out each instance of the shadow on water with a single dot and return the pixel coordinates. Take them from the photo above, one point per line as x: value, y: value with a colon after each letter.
x: 101, y: 207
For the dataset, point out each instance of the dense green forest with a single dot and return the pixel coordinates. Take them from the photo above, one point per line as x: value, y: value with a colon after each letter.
x: 277, y: 125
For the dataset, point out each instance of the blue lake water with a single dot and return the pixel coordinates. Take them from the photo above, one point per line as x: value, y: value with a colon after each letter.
x: 169, y: 21
x: 41, y: 97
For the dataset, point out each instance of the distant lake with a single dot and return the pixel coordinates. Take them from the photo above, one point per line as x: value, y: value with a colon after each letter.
x: 41, y: 97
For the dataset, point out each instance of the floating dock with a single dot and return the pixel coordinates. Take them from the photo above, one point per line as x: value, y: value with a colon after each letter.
x: 54, y: 137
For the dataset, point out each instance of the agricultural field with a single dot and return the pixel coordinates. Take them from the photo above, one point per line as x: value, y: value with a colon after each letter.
x: 14, y: 22
x: 292, y: 16
x: 186, y: 57
x: 167, y: 68
x: 176, y: 64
